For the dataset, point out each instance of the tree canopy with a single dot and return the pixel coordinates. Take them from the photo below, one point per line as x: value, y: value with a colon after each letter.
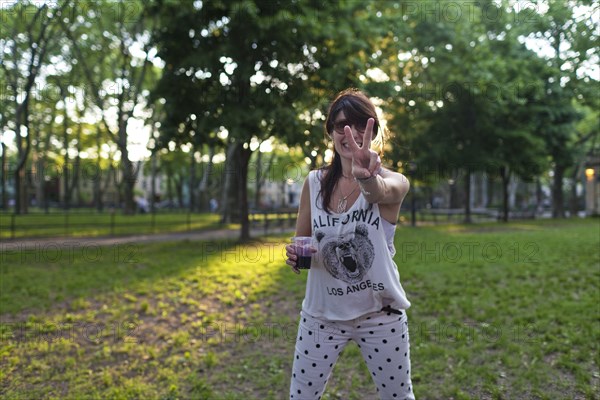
x: 493, y: 87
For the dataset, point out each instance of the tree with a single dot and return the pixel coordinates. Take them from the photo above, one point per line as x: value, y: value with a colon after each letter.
x: 448, y: 72
x: 29, y: 35
x: 260, y: 69
x: 475, y: 98
x: 569, y: 30
x: 42, y: 123
x: 116, y: 59
x: 518, y: 108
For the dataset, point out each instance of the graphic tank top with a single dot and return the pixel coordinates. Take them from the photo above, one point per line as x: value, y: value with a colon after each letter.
x: 353, y: 272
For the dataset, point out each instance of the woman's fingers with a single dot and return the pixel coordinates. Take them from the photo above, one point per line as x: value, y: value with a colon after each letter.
x: 368, y: 136
x: 364, y: 160
x: 290, y: 253
x: 292, y: 264
x: 350, y: 139
x: 374, y: 163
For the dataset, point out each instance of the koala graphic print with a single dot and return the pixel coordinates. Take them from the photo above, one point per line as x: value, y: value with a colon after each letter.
x: 348, y: 256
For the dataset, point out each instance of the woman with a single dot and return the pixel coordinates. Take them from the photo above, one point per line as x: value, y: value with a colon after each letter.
x: 353, y: 291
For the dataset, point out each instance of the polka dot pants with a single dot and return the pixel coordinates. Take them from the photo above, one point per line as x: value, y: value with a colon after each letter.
x: 383, y: 341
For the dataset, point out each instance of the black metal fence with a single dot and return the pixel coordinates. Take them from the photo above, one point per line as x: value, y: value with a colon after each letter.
x: 30, y: 225
x: 282, y: 219
x: 92, y: 224
x: 88, y: 223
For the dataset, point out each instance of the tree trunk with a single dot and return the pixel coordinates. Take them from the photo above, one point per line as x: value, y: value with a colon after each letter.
x: 38, y: 160
x: 36, y: 54
x: 204, y: 182
x: 558, y: 209
x: 76, y: 183
x: 4, y: 201
x: 228, y: 171
x: 452, y: 201
x: 153, y: 182
x: 22, y: 155
x: 98, y: 181
x: 128, y: 184
x: 65, y: 136
x: 37, y: 169
x: 20, y: 163
x: 468, y: 196
x: 505, y: 175
x: 119, y: 185
x: 192, y: 181
x: 111, y: 181
x: 128, y: 175
x: 257, y: 181
x: 18, y: 194
x: 66, y: 185
x: 179, y: 189
x: 75, y: 169
x: 40, y: 182
x: 44, y: 200
x: 244, y: 159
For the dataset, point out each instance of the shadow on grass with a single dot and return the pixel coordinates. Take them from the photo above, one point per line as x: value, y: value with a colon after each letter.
x: 42, y: 278
x: 170, y: 294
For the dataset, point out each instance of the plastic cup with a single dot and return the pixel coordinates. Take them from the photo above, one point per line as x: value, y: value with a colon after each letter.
x: 303, y: 247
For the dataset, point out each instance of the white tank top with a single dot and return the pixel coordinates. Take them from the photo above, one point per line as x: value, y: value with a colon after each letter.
x: 353, y: 272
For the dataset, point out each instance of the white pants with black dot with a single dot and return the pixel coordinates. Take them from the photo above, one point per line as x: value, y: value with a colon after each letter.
x: 383, y: 341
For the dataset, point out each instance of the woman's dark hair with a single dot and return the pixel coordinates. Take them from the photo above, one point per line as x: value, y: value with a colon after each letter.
x: 357, y: 109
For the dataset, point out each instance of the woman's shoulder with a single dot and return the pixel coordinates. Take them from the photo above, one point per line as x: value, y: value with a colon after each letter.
x: 314, y: 175
x: 318, y: 173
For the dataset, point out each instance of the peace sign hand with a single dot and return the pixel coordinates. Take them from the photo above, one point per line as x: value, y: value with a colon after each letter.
x: 365, y: 162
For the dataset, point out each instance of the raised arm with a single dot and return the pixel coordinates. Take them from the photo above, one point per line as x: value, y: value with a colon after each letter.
x: 377, y: 185
x: 386, y: 187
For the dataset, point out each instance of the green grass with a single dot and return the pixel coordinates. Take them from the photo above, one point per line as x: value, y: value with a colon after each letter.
x: 499, y: 311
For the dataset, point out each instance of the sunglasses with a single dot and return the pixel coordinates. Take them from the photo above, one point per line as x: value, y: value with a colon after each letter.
x: 360, y: 127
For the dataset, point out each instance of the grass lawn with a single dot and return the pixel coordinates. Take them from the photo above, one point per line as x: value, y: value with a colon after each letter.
x: 500, y: 311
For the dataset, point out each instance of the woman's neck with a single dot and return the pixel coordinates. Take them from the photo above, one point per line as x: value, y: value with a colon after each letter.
x: 347, y: 168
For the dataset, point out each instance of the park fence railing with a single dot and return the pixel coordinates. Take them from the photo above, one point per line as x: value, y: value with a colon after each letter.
x: 91, y: 224
x: 457, y: 215
x: 283, y: 219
